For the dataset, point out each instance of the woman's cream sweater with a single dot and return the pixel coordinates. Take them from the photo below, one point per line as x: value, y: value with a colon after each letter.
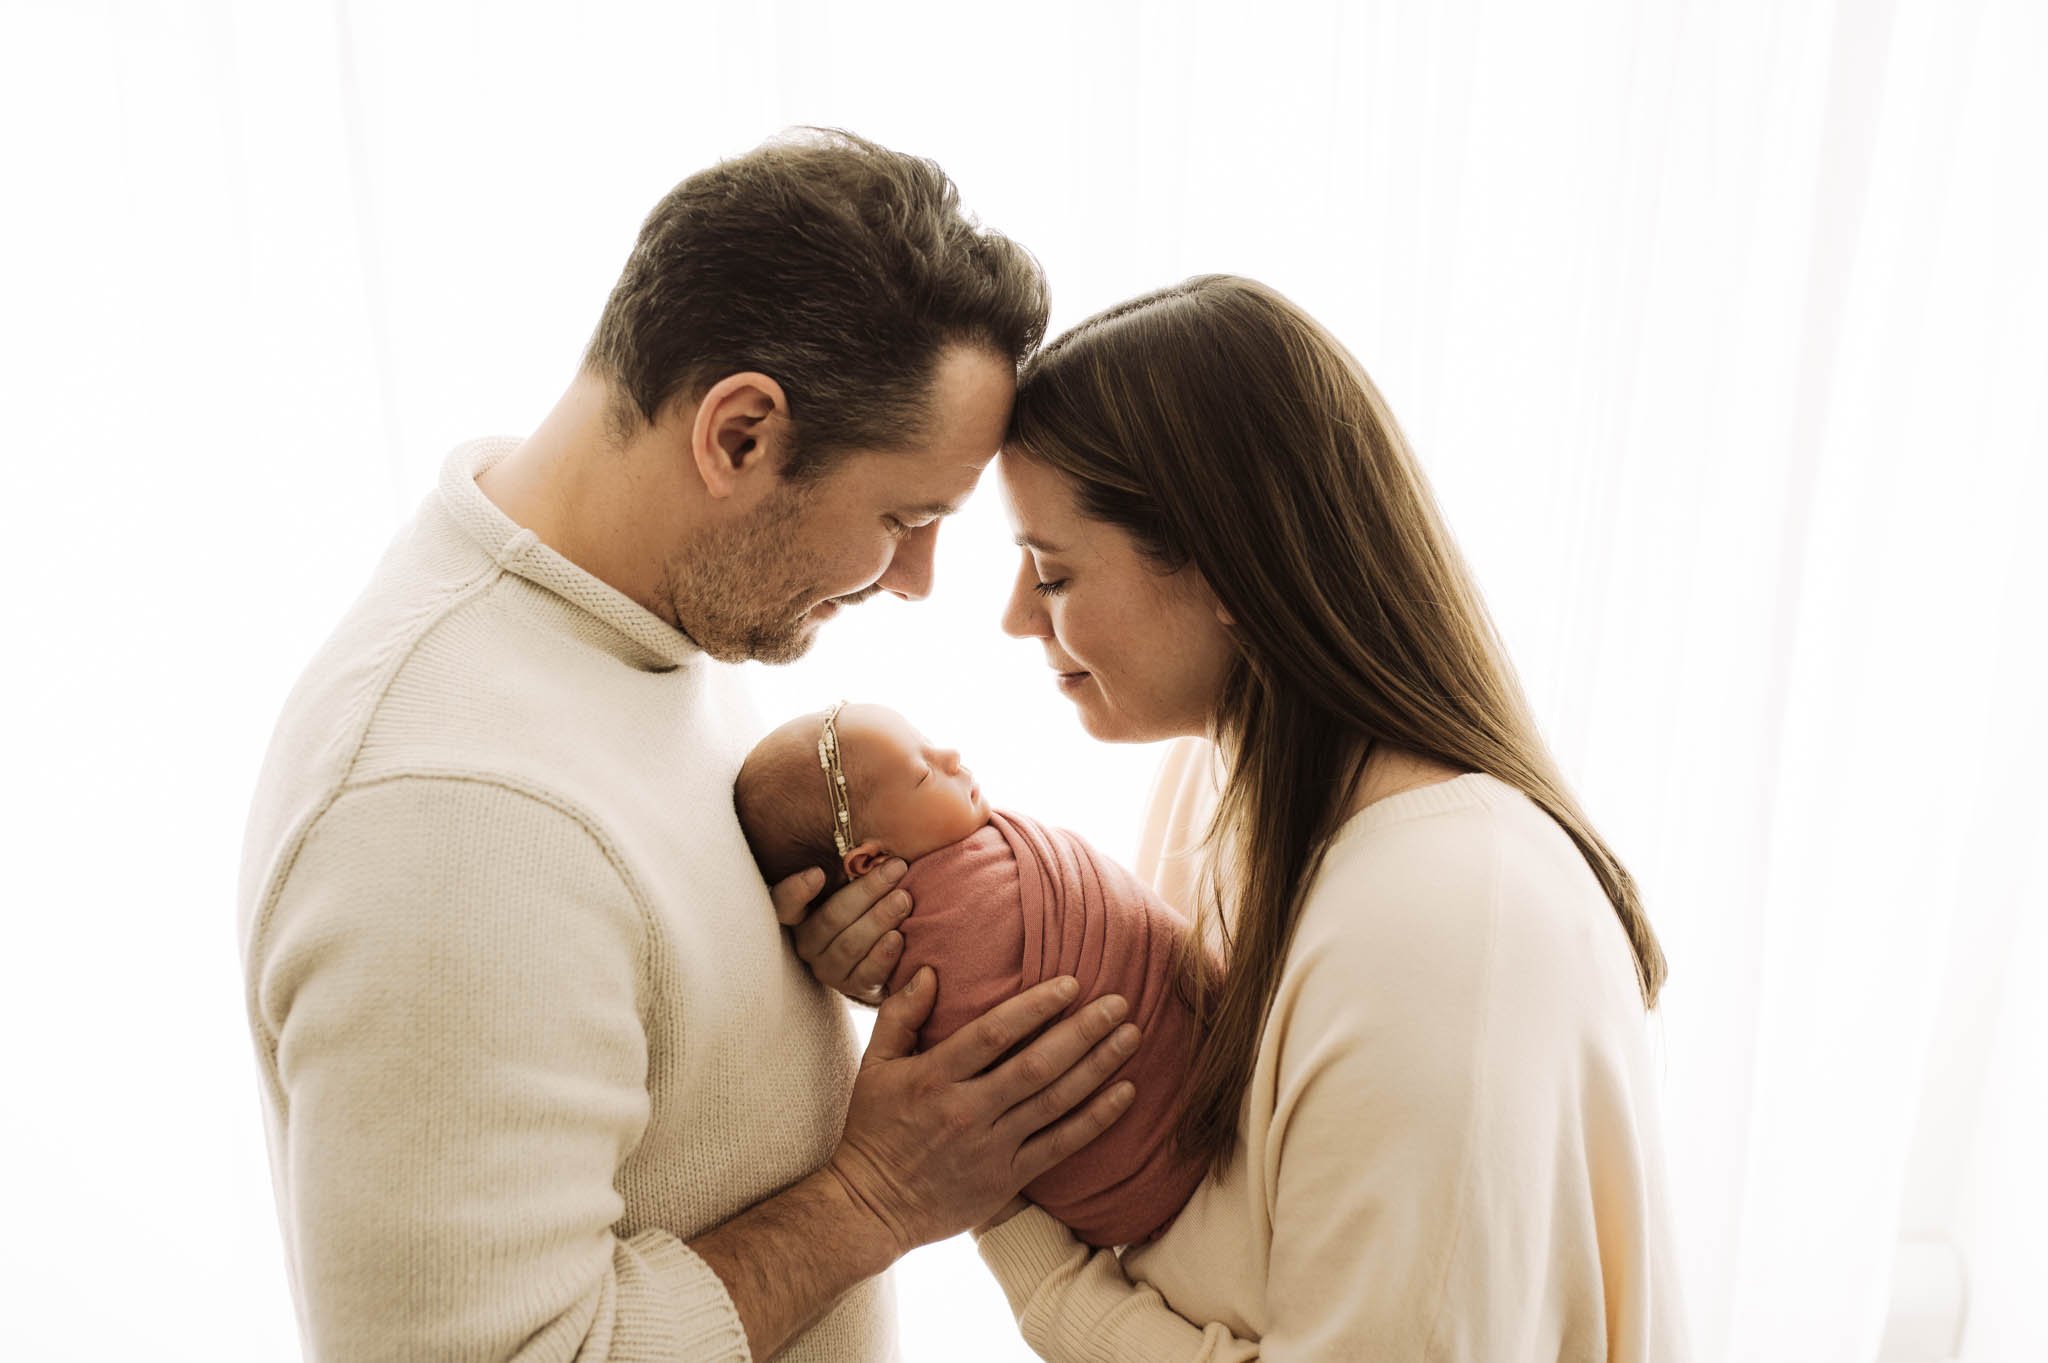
x: 1450, y: 1147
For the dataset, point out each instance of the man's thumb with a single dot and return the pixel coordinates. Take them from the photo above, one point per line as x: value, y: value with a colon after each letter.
x: 899, y: 1017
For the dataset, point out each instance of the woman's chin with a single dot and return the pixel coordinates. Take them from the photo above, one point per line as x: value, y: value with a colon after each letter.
x: 1107, y: 724
x: 1101, y: 723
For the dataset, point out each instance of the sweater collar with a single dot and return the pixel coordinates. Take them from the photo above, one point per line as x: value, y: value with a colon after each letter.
x: 654, y: 644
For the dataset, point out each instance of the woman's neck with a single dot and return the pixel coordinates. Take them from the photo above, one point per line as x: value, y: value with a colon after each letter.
x: 1391, y: 771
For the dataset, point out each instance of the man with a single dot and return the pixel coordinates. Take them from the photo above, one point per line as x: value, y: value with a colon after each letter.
x: 542, y: 1078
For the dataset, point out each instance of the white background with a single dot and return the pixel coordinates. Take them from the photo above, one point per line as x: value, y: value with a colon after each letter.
x: 1721, y: 330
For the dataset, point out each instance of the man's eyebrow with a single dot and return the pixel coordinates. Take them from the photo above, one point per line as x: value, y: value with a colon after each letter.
x: 1029, y: 542
x: 932, y: 509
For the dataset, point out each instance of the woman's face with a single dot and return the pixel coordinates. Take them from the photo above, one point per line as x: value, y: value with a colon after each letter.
x: 1142, y: 656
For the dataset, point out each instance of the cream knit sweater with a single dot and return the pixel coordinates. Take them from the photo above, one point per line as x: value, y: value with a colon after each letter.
x: 1450, y: 1148
x: 524, y: 1016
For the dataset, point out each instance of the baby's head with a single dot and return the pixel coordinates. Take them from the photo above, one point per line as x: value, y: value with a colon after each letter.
x: 904, y: 796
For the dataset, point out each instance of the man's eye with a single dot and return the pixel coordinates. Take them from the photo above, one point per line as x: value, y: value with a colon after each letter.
x: 1053, y: 588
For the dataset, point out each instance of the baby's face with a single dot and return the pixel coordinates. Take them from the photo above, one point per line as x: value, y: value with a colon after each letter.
x: 914, y: 798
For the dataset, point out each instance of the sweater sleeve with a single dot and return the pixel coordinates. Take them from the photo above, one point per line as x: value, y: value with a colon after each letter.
x: 1073, y: 1304
x: 451, y: 978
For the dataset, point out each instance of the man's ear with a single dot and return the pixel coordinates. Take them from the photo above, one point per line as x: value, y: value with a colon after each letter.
x: 739, y: 420
x: 863, y: 859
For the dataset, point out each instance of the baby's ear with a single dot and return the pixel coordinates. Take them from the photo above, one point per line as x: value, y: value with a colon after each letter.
x: 863, y: 859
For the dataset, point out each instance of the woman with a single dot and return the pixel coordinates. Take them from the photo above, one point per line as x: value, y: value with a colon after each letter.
x: 1423, y: 1084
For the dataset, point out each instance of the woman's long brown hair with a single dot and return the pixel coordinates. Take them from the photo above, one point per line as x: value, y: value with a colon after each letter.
x: 1220, y: 426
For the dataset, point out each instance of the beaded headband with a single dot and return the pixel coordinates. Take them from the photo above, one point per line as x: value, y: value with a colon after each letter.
x: 835, y: 779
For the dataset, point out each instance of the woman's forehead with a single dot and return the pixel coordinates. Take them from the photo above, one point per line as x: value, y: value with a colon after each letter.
x: 1041, y: 501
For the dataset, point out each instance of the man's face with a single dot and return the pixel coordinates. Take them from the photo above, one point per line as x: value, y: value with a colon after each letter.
x: 759, y: 586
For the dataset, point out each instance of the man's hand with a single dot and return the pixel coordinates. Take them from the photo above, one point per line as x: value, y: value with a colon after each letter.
x: 849, y: 941
x: 933, y: 1146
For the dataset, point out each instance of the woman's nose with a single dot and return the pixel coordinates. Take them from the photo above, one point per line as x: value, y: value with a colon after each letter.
x: 1023, y: 614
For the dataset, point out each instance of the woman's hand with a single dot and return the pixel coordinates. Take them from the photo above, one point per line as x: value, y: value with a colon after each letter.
x: 933, y: 1145
x: 1017, y: 1204
x: 849, y: 942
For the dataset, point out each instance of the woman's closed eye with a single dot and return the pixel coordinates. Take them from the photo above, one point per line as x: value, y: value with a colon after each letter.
x: 1053, y: 588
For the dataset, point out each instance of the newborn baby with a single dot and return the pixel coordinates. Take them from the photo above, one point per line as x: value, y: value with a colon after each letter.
x: 1002, y: 902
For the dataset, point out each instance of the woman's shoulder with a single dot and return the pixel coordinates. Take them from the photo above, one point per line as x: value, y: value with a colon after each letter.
x: 1457, y: 888
x: 1434, y: 847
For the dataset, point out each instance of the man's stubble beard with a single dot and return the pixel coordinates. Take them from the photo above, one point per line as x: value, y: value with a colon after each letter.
x: 740, y: 592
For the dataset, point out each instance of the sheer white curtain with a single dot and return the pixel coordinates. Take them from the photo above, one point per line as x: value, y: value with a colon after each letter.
x: 1722, y: 330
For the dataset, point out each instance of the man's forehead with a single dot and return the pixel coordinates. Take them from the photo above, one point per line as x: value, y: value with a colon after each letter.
x: 927, y: 486
x: 971, y: 394
x: 944, y: 506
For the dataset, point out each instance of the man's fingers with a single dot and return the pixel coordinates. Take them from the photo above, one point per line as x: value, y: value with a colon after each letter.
x: 1060, y: 1097
x: 973, y: 1048
x: 792, y: 897
x: 855, y: 945
x: 865, y: 981
x: 1047, y: 1149
x: 845, y: 908
x: 897, y: 1021
x: 1045, y: 1061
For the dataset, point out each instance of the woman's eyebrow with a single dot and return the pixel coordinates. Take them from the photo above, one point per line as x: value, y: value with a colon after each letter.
x: 1029, y: 541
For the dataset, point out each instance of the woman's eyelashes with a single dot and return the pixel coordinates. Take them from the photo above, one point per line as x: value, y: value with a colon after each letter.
x: 1053, y: 588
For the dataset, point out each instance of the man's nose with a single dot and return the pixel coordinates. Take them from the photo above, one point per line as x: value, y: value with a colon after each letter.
x: 909, y: 574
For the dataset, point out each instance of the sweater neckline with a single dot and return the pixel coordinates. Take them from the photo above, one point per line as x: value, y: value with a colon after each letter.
x: 656, y: 645
x: 1471, y: 790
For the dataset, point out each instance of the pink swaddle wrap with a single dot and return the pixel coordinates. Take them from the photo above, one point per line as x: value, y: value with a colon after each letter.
x: 1017, y: 902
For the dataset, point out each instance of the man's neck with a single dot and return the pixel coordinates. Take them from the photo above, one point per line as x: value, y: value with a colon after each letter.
x: 582, y: 495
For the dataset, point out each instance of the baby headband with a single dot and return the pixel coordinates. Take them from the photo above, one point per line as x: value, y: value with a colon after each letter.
x: 835, y: 780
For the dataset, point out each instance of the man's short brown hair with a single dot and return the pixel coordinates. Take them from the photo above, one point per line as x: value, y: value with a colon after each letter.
x: 837, y: 267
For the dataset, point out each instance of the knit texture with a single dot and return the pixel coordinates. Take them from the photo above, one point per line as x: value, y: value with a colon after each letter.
x: 1450, y: 1148
x: 524, y: 1018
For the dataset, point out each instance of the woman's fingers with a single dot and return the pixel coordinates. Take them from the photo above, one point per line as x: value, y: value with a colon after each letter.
x: 1049, y: 1148
x: 1055, y: 1100
x: 981, y: 1042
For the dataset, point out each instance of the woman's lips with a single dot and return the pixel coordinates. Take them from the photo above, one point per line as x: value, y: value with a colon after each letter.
x: 1070, y: 680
